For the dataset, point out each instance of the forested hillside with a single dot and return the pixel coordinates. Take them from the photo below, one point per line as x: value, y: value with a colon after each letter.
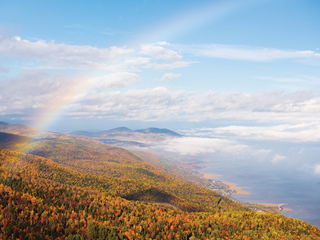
x: 17, y: 129
x: 67, y: 187
x: 34, y: 207
x: 116, y: 171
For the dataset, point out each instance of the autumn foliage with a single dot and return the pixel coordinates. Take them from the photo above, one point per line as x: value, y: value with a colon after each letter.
x: 74, y: 188
x: 117, y: 172
x: 37, y: 208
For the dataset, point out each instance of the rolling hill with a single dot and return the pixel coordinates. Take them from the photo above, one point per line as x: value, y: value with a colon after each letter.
x: 71, y: 187
x: 18, y: 129
x: 33, y: 207
x: 139, y: 179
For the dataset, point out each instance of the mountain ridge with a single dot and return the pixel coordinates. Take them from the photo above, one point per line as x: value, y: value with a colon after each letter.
x: 127, y: 130
x: 124, y: 134
x: 159, y: 130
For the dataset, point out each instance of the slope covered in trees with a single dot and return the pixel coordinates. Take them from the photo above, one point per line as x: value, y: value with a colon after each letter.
x: 19, y: 129
x: 115, y: 171
x: 13, y: 141
x: 34, y: 207
x: 66, y: 187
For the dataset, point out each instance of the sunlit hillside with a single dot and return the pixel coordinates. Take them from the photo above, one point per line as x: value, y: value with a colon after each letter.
x: 33, y: 206
x: 67, y: 187
x: 121, y: 173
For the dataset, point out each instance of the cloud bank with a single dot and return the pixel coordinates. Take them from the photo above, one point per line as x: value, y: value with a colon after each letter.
x: 290, y: 116
x: 156, y: 51
x: 193, y: 146
x: 271, y: 106
x: 303, y: 132
x: 246, y: 53
x: 59, y: 54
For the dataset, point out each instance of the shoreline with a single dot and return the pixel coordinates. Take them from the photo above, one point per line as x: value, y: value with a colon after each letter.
x: 210, y: 175
x: 234, y: 189
x: 232, y: 186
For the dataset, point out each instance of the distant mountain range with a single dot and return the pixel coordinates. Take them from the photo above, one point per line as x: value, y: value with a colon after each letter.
x: 121, y: 136
x: 124, y: 134
x: 158, y: 130
x: 126, y: 131
x: 24, y: 130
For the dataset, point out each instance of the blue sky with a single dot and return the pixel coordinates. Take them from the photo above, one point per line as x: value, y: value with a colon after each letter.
x: 234, y: 68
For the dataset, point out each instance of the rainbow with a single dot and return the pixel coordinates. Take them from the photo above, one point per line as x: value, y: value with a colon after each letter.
x: 57, y: 106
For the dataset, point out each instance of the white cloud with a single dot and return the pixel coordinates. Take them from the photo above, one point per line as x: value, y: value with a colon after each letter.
x: 244, y: 52
x: 193, y: 146
x: 159, y: 52
x: 146, y: 105
x: 283, y: 132
x: 202, y: 145
x: 119, y: 79
x: 317, y: 169
x: 278, y: 158
x: 162, y: 43
x: 300, y: 111
x: 261, y: 102
x: 164, y: 66
x: 58, y: 54
x: 168, y: 77
x: 34, y: 90
x: 137, y: 61
x: 30, y: 91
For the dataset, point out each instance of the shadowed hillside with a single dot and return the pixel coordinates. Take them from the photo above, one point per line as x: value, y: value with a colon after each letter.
x: 17, y: 129
x: 12, y: 141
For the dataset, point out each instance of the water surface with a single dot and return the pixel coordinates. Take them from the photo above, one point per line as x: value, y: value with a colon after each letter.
x: 268, y: 183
